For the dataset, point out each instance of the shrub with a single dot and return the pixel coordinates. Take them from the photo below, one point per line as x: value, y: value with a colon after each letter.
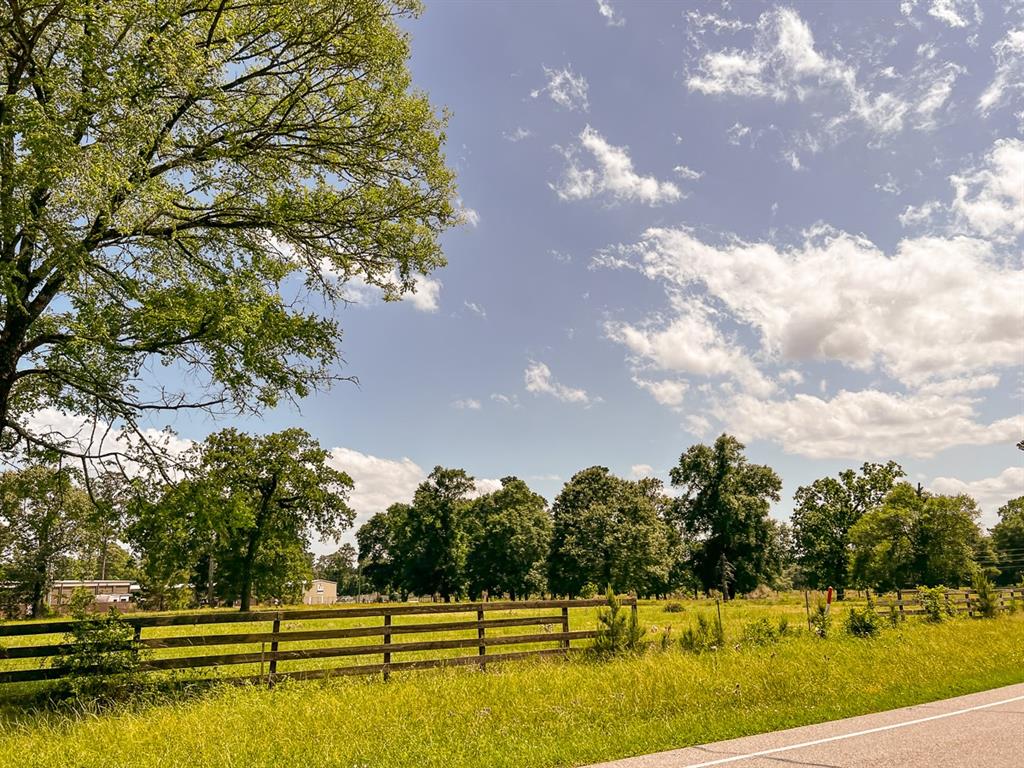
x: 987, y: 597
x: 821, y: 619
x: 783, y: 625
x: 760, y: 631
x: 616, y: 632
x: 80, y: 602
x: 933, y: 600
x: 895, y: 617
x: 863, y: 622
x: 706, y: 636
x: 674, y: 607
x: 101, y: 659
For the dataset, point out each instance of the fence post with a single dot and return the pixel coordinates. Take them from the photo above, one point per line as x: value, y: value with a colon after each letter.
x: 807, y: 607
x: 633, y: 610
x: 273, y: 649
x: 565, y: 626
x: 387, y: 641
x: 970, y: 608
x: 899, y: 599
x: 480, y: 636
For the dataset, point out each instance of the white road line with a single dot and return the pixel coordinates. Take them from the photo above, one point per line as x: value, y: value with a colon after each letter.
x: 879, y: 729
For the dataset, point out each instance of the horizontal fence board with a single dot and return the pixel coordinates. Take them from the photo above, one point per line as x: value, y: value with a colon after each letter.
x: 362, y: 650
x: 192, y: 641
x: 217, y: 617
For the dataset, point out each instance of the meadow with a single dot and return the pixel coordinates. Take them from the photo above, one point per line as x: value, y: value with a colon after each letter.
x: 544, y: 712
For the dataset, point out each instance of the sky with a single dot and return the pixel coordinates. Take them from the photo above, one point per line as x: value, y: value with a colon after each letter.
x: 800, y: 224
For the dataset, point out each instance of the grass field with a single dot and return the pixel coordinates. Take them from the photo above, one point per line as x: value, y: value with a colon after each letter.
x: 544, y: 713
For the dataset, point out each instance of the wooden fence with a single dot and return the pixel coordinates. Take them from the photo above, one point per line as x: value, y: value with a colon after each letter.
x: 269, y: 649
x: 908, y: 601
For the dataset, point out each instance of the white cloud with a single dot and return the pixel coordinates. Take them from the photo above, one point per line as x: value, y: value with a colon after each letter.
x: 379, y: 483
x: 539, y: 380
x: 638, y: 471
x: 737, y: 132
x: 956, y: 13
x: 566, y: 88
x: 689, y: 342
x: 427, y: 296
x: 868, y: 424
x: 791, y: 377
x: 1009, y: 74
x: 519, y: 134
x: 475, y: 308
x: 470, y: 216
x: 611, y: 16
x: 918, y: 215
x: 613, y: 175
x: 670, y: 392
x: 512, y: 401
x: 467, y: 404
x: 937, y: 308
x: 784, y: 64
x: 687, y: 173
x: 990, y: 492
x: 990, y: 199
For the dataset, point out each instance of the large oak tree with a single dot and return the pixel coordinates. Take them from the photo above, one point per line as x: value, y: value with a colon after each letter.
x: 186, y: 186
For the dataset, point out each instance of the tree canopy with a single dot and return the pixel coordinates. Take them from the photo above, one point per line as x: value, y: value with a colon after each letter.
x: 189, y: 186
x: 915, y: 538
x: 724, y: 504
x: 825, y: 511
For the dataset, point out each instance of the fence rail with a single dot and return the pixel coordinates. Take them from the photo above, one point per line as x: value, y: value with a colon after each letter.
x: 479, y: 642
x: 908, y: 601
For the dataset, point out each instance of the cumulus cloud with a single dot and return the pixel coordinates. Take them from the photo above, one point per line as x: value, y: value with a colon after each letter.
x: 381, y: 482
x: 426, y: 296
x: 610, y: 15
x: 539, y: 380
x: 638, y: 471
x: 670, y: 392
x: 990, y: 492
x: 936, y: 308
x: 611, y: 176
x: 566, y: 88
x: 1009, y: 73
x: 866, y: 424
x: 467, y: 404
x: 689, y: 342
x: 989, y: 199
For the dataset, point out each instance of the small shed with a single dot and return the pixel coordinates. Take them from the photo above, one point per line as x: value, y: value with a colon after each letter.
x: 321, y: 592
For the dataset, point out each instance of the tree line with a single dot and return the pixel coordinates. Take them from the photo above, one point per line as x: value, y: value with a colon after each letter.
x: 238, y: 522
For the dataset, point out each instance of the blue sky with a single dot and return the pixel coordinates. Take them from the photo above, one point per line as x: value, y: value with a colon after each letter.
x: 801, y: 224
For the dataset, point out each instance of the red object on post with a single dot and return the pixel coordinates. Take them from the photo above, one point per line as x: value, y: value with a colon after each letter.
x: 829, y: 598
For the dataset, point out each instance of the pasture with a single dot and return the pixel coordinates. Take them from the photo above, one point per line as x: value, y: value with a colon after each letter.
x: 546, y: 712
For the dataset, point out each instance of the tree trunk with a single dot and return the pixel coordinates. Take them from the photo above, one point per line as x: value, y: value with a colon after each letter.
x: 254, y: 539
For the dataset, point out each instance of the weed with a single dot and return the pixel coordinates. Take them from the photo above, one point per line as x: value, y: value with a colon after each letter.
x: 863, y: 622
x: 706, y: 636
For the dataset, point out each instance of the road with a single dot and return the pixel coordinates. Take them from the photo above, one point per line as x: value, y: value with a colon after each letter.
x: 982, y: 730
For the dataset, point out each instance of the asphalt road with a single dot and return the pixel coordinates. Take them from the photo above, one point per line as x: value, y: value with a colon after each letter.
x: 982, y: 730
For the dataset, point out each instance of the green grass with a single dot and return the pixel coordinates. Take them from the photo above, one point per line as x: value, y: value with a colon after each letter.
x: 554, y: 713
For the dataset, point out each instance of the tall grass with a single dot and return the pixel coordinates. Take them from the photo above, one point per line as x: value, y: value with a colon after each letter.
x: 558, y: 713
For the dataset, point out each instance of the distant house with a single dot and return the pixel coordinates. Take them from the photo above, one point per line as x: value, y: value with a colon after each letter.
x: 104, y: 590
x: 321, y: 592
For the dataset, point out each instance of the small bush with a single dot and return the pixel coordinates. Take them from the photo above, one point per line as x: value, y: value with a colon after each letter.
x: 936, y: 607
x: 821, y: 619
x: 102, y: 659
x: 895, y: 617
x: 706, y: 636
x: 674, y: 608
x: 863, y: 622
x: 617, y: 633
x: 760, y: 631
x: 783, y: 625
x: 80, y: 602
x: 987, y: 599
